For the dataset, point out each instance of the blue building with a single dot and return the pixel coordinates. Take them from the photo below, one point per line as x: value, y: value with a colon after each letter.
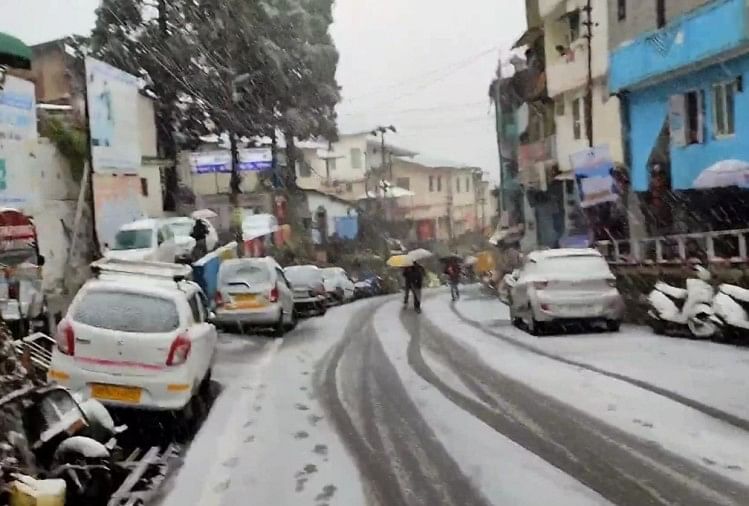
x: 685, y: 100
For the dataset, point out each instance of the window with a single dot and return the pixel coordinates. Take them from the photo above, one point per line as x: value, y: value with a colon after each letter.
x: 356, y: 158
x: 349, y: 187
x: 144, y: 187
x: 660, y: 13
x: 468, y: 183
x: 559, y: 106
x: 694, y: 117
x: 303, y: 169
x: 577, y: 130
x: 724, y: 108
x: 439, y: 183
x: 621, y: 10
x: 403, y: 182
x: 457, y: 185
x: 331, y: 163
x: 573, y: 19
x: 133, y: 239
x: 431, y: 183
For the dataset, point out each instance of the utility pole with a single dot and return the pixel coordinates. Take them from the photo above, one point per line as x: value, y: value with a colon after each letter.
x: 381, y: 130
x: 589, y: 82
x: 235, y: 181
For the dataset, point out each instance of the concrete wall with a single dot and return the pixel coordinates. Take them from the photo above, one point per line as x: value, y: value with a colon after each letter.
x: 606, y: 125
x: 641, y: 17
x: 569, y: 71
x: 649, y: 110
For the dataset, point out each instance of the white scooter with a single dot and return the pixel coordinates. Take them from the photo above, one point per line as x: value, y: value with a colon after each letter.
x: 672, y: 307
x: 731, y: 308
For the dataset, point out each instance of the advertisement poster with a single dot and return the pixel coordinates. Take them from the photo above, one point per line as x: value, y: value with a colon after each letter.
x: 116, y: 202
x: 209, y: 162
x: 255, y: 159
x: 594, y: 169
x: 249, y: 160
x: 112, y: 97
x: 17, y: 110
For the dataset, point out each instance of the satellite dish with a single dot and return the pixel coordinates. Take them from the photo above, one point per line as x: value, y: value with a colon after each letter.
x: 521, y: 117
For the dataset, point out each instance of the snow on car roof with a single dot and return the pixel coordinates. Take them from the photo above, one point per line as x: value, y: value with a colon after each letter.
x: 535, y: 256
x: 139, y: 224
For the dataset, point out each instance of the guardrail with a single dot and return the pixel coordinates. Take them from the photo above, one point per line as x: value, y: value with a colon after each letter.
x: 720, y: 247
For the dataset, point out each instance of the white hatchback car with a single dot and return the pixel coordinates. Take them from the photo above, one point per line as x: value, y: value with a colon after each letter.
x: 564, y: 286
x: 144, y: 240
x: 254, y: 292
x: 338, y: 285
x: 309, y: 289
x: 140, y: 340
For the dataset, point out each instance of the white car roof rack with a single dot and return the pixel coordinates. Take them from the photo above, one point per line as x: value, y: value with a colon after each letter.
x: 162, y: 270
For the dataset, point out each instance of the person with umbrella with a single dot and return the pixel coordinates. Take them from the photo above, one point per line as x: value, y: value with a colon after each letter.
x: 452, y: 271
x: 199, y: 233
x: 413, y: 275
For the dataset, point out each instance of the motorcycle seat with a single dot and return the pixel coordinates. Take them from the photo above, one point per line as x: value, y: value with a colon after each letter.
x: 672, y: 291
x: 736, y: 292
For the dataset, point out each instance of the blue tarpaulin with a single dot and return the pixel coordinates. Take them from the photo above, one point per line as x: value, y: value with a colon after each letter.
x: 347, y: 227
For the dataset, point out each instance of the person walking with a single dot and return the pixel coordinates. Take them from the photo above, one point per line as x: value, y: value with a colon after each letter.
x: 452, y: 270
x: 199, y: 233
x: 414, y: 280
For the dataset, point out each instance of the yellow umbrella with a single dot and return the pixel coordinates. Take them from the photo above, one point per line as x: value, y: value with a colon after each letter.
x: 484, y: 262
x: 400, y: 261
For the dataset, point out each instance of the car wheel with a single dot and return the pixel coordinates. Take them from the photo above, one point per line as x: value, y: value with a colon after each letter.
x: 339, y: 295
x: 280, y: 327
x: 613, y: 325
x: 322, y: 310
x: 294, y: 321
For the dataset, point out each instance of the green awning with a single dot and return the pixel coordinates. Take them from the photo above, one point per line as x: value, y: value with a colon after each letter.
x: 13, y: 52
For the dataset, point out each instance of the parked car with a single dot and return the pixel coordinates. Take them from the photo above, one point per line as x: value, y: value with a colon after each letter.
x: 144, y: 240
x: 309, y: 289
x: 561, y: 286
x: 182, y: 228
x: 338, y: 285
x: 254, y: 292
x: 137, y: 335
x: 368, y: 286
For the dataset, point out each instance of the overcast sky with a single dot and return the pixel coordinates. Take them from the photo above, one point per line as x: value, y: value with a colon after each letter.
x: 421, y: 65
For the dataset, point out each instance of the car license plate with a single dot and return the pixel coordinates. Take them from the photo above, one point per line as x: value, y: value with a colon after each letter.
x: 246, y: 301
x: 130, y: 395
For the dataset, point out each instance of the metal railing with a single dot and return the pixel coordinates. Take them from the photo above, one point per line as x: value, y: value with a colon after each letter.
x: 721, y: 247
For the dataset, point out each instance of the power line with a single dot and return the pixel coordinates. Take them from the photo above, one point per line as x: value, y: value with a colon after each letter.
x: 417, y: 109
x: 425, y: 75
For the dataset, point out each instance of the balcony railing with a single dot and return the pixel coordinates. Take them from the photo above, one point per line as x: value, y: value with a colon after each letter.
x: 724, y: 247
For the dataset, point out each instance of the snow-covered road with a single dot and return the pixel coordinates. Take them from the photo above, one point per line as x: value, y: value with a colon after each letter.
x: 373, y: 404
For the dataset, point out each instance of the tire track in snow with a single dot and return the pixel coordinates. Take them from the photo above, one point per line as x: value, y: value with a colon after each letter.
x: 623, y: 469
x: 719, y: 414
x: 399, y: 456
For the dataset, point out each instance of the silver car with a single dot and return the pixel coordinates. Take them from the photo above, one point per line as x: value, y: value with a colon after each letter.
x: 561, y: 286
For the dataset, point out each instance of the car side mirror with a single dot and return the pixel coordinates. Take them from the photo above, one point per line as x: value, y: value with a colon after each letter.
x: 211, y: 317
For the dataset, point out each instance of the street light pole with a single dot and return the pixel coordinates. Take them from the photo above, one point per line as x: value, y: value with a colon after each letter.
x: 235, y: 180
x: 589, y: 82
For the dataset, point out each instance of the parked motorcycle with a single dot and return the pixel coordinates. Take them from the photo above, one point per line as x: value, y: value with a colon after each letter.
x: 731, y: 308
x: 679, y: 309
x: 50, y: 435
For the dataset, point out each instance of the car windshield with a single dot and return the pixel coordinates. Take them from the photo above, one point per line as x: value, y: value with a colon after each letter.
x: 330, y: 273
x: 303, y: 274
x: 573, y: 266
x: 127, y: 312
x: 181, y: 228
x: 133, y: 239
x: 247, y: 271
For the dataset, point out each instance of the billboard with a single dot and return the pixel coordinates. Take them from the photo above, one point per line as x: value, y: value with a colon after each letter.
x: 249, y: 160
x: 17, y: 110
x: 116, y: 202
x: 112, y: 96
x: 255, y: 159
x: 594, y: 170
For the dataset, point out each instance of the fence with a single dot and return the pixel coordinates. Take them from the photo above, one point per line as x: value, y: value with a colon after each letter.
x: 723, y: 247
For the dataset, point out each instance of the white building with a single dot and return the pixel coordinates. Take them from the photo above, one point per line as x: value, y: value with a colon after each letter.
x: 331, y: 214
x: 566, y: 52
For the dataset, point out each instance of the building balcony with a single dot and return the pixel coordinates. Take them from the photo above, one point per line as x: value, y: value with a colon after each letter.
x: 688, y: 43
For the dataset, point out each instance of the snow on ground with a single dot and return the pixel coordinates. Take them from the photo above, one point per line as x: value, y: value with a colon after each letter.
x: 299, y: 459
x: 501, y: 469
x: 684, y: 431
x: 711, y: 373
